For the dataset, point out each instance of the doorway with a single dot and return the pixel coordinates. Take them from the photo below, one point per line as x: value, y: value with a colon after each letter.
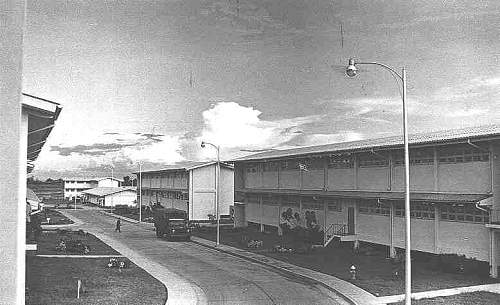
x: 350, y: 220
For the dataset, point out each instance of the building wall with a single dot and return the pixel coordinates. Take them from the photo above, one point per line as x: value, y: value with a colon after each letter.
x: 421, y: 178
x: 313, y: 179
x: 121, y: 198
x: 470, y: 239
x: 464, y: 176
x: 108, y: 183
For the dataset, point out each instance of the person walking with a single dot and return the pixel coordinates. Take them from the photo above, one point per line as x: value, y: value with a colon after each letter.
x: 118, y: 225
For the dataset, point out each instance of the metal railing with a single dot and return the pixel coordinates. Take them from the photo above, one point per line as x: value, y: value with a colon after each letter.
x: 335, y: 229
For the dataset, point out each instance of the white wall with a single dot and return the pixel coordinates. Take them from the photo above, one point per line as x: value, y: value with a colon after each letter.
x: 121, y: 198
x: 108, y: 182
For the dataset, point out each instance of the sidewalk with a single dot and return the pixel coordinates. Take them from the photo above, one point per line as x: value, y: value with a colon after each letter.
x: 179, y: 291
x: 347, y: 291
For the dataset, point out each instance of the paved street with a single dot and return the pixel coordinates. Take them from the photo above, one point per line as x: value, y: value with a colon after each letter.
x: 220, y: 277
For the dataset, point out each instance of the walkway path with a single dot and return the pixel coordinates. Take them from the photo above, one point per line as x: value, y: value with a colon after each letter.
x: 196, y: 274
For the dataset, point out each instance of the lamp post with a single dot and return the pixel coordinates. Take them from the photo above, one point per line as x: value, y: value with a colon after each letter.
x: 217, y: 183
x: 351, y: 71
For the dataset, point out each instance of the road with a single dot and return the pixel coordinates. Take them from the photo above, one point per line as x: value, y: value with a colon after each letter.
x: 222, y: 278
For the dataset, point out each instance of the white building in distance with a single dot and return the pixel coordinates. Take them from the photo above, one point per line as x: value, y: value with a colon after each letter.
x: 73, y: 187
x: 189, y: 186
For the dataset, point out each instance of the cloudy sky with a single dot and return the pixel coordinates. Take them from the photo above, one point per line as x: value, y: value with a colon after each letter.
x: 146, y: 81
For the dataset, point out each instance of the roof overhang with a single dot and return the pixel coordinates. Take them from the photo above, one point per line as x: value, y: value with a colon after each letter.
x: 432, y: 197
x: 42, y: 115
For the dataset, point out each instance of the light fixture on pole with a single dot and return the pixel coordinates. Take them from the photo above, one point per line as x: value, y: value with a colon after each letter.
x: 351, y: 71
x: 217, y: 183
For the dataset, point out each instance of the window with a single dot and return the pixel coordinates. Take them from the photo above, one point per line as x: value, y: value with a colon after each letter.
x: 268, y: 200
x: 460, y: 154
x: 270, y: 166
x: 311, y: 163
x: 334, y: 205
x: 374, y: 207
x: 311, y: 205
x: 252, y: 168
x: 290, y: 165
x: 341, y: 161
x: 290, y: 201
x: 372, y: 160
x: 463, y: 212
x: 421, y: 156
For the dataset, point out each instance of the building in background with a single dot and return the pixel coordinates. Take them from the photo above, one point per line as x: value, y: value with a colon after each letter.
x: 189, y: 186
x: 73, y: 187
x: 355, y: 191
x: 106, y: 196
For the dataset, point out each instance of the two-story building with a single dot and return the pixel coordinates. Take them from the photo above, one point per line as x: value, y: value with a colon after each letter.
x: 355, y: 191
x: 189, y: 186
x: 73, y: 187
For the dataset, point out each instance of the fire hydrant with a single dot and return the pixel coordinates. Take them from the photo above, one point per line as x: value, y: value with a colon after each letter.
x: 352, y: 270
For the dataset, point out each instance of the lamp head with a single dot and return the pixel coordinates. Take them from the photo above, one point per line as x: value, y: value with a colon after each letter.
x: 351, y: 69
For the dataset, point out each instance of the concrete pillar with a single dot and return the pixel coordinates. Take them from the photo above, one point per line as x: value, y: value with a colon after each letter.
x: 436, y: 169
x: 280, y: 231
x: 392, y: 249
x: 261, y: 209
x: 493, y: 254
x: 495, y: 184
x: 356, y: 170
x: 436, y: 229
x: 13, y: 157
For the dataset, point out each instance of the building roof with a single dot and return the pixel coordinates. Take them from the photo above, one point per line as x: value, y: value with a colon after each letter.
x: 184, y: 166
x: 30, y: 195
x: 42, y: 115
x: 91, y: 179
x: 455, y: 135
x: 414, y: 196
x: 105, y: 191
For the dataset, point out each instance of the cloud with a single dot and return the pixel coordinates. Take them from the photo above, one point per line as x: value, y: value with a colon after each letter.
x: 111, y: 149
x: 231, y: 125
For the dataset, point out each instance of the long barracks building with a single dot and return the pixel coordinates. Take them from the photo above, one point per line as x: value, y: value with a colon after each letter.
x: 356, y: 190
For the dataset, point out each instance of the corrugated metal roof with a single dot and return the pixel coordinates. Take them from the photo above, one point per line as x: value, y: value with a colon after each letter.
x: 184, y: 166
x: 417, y: 196
x: 388, y: 142
x: 104, y: 191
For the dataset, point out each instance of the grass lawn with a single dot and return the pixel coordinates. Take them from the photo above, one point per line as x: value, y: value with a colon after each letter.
x: 474, y: 298
x: 374, y: 270
x: 56, y: 218
x: 48, y: 241
x: 54, y: 281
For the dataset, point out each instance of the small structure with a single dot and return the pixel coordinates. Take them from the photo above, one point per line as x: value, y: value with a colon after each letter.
x: 189, y: 186
x: 111, y: 196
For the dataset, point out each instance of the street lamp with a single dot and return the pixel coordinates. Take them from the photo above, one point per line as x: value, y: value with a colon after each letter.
x: 351, y: 71
x: 217, y: 182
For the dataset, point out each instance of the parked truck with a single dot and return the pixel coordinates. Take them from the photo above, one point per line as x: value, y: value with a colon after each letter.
x: 172, y: 223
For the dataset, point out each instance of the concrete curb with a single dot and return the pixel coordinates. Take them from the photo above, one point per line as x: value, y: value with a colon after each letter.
x: 343, y: 296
